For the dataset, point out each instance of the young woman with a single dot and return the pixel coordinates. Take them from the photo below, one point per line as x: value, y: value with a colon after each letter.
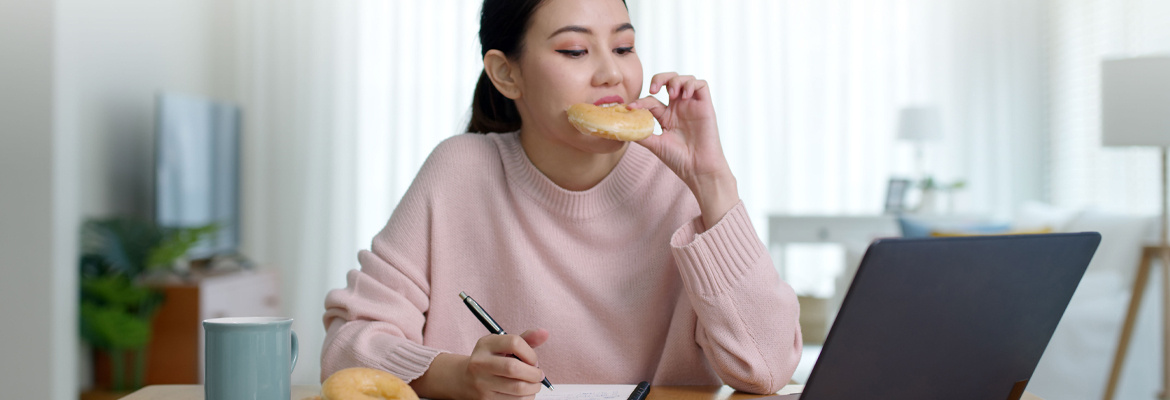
x: 627, y: 261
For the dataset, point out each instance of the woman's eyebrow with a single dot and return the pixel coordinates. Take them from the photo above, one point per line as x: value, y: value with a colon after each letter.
x: 582, y: 29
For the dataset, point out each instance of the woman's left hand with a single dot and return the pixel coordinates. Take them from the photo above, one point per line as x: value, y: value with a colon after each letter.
x: 689, y: 144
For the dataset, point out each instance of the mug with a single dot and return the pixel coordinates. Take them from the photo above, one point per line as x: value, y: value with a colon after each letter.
x: 249, y: 358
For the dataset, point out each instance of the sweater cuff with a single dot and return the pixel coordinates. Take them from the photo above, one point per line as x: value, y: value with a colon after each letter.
x: 406, y: 359
x: 711, y: 262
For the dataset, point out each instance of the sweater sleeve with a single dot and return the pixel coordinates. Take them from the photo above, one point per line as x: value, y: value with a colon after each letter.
x: 748, y: 319
x: 377, y: 320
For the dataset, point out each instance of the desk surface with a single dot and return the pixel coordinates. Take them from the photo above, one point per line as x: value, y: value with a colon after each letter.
x: 299, y: 392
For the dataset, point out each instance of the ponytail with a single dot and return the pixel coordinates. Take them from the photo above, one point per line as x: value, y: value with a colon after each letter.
x: 490, y: 110
x: 502, y: 24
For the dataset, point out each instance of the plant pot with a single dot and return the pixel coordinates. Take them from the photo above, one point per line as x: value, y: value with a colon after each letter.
x: 123, y: 370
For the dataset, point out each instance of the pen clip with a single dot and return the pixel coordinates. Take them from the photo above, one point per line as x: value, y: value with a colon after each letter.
x: 484, y: 317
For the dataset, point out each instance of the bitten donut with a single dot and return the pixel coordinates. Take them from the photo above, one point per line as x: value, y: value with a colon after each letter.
x: 612, y: 121
x: 365, y: 384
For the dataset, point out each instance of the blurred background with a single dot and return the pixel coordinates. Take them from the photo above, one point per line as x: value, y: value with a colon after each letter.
x: 962, y: 114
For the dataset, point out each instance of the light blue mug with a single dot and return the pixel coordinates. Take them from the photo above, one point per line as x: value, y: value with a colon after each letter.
x: 249, y: 358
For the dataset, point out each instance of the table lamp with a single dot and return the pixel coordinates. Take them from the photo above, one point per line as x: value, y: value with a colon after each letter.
x: 1135, y: 111
x: 919, y: 124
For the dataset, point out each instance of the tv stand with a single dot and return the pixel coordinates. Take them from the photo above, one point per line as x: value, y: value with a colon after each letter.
x: 176, y: 349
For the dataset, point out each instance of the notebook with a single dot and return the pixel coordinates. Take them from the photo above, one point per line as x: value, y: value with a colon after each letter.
x: 586, y: 392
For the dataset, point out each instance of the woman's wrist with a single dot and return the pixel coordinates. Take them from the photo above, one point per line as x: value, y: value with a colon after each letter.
x: 444, y: 379
x: 716, y: 193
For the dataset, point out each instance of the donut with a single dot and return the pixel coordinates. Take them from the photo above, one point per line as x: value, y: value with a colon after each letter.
x: 365, y: 384
x: 612, y: 121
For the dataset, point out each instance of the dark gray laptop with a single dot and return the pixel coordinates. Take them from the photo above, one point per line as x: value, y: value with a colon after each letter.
x: 949, y: 318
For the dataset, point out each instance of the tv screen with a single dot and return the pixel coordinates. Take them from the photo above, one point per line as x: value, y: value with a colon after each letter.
x: 197, y: 169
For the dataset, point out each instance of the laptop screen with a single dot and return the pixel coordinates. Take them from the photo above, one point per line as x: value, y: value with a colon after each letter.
x: 949, y: 318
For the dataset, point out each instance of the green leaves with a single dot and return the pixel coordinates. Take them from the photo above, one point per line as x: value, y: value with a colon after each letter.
x: 116, y: 311
x: 133, y: 246
x: 174, y: 243
x: 928, y: 183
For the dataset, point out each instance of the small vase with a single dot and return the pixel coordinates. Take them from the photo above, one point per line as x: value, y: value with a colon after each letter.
x: 927, y: 204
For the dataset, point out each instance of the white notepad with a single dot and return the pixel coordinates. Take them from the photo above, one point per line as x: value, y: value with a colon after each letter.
x: 586, y: 392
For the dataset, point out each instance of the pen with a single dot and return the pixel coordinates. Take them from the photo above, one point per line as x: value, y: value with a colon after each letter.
x: 491, y: 325
x: 640, y: 391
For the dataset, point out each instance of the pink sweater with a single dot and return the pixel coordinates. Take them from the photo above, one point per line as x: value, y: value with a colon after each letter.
x: 615, y: 273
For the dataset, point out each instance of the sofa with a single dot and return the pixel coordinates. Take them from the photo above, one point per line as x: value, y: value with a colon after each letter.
x: 1077, y: 361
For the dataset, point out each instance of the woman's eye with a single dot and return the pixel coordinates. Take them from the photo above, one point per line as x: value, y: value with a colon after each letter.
x: 572, y: 53
x: 623, y: 50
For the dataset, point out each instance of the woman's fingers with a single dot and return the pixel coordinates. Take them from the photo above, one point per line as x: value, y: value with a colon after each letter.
x: 691, y: 87
x: 676, y: 84
x: 511, y: 386
x: 535, y: 337
x: 503, y: 366
x: 660, y: 79
x: 509, y: 345
x: 501, y: 376
x: 652, y: 104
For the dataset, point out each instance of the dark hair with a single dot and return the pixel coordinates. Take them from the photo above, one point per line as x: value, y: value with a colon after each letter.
x: 502, y: 25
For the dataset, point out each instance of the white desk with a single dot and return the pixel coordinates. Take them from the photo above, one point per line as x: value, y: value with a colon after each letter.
x: 822, y: 290
x: 845, y: 229
x: 853, y: 234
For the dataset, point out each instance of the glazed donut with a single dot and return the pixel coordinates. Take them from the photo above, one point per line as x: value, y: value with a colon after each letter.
x: 365, y: 384
x: 612, y: 121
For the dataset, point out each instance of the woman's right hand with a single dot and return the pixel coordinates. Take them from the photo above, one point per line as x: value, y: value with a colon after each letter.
x: 489, y: 372
x: 493, y: 374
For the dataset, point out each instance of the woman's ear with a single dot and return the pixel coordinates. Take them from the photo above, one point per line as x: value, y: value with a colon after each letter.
x: 504, y: 75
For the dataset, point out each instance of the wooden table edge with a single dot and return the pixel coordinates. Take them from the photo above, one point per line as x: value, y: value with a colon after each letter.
x: 303, y: 392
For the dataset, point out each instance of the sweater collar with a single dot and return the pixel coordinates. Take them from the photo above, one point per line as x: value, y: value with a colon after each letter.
x: 632, y: 171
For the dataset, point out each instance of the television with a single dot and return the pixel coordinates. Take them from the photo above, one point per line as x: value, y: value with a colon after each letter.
x: 197, y: 169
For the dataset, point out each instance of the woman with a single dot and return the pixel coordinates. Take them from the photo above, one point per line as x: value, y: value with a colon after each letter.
x: 629, y: 262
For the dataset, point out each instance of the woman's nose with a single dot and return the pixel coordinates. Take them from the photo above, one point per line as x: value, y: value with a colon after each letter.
x: 607, y: 72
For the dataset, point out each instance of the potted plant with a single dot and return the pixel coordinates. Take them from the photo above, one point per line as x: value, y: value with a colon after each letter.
x: 930, y: 188
x: 116, y: 309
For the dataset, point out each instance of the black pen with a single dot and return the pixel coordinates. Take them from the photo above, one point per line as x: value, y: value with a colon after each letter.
x: 491, y: 325
x: 640, y: 391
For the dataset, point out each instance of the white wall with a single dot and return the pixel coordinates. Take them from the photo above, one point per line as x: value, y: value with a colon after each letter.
x: 115, y: 56
x: 77, y: 86
x: 38, y: 214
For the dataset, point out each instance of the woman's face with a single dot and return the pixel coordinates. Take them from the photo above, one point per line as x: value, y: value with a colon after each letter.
x: 576, y: 51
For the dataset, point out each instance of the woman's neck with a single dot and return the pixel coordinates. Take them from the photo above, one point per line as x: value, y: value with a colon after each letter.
x: 567, y: 167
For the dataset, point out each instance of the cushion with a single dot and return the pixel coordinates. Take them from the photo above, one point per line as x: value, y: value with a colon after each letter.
x: 1035, y: 215
x: 1122, y: 238
x: 919, y: 228
x: 1006, y: 232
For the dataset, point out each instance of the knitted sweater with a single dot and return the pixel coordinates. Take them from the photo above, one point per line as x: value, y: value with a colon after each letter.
x: 617, y: 274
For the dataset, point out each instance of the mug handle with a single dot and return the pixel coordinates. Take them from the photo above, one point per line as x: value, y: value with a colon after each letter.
x: 294, y: 352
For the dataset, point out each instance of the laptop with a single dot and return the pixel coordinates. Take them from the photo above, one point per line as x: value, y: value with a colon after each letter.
x: 949, y: 318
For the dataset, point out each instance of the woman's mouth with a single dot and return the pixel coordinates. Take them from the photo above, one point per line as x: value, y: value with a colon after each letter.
x: 608, y: 99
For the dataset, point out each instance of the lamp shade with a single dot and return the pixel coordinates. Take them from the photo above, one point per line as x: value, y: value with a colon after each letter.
x: 1135, y: 102
x: 919, y: 124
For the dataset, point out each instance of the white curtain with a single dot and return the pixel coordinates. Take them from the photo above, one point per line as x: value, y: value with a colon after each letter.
x: 1084, y: 32
x: 296, y: 68
x: 807, y: 93
x: 345, y: 99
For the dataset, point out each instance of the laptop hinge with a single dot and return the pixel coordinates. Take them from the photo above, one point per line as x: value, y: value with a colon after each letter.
x: 1018, y: 390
